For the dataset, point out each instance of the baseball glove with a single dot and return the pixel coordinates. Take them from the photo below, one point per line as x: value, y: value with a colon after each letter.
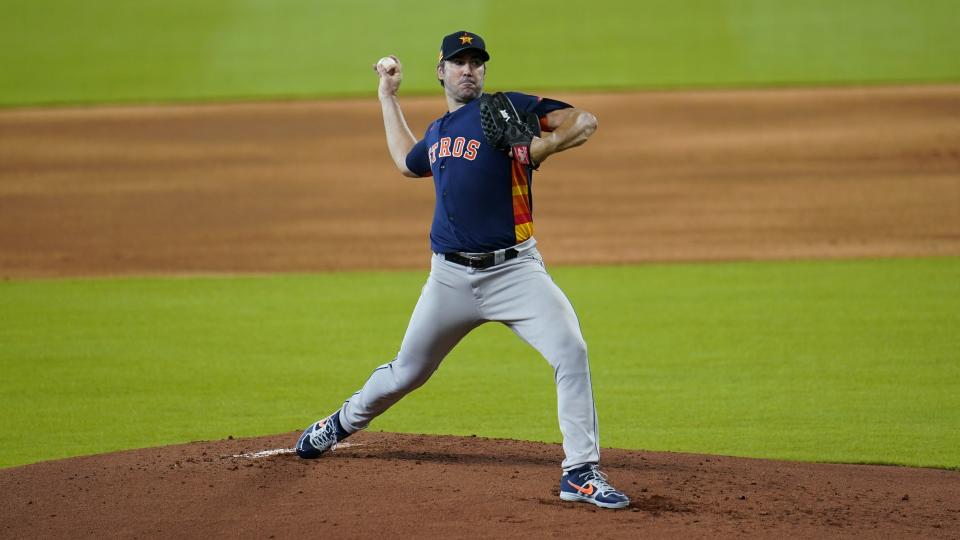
x: 506, y: 129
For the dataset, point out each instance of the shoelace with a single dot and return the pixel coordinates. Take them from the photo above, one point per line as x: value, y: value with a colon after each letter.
x: 324, y: 437
x: 599, y: 480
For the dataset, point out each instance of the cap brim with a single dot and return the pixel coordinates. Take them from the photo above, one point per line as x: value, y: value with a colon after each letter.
x: 483, y: 53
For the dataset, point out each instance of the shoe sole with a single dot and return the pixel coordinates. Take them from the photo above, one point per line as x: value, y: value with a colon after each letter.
x: 576, y: 497
x: 309, y: 455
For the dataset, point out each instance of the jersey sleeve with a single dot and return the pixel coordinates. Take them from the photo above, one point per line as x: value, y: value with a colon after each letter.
x: 417, y: 160
x: 541, y: 106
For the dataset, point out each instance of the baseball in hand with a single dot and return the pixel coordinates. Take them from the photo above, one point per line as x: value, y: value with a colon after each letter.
x: 388, y: 64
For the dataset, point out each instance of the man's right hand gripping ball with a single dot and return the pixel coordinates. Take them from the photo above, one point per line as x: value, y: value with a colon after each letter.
x: 506, y: 130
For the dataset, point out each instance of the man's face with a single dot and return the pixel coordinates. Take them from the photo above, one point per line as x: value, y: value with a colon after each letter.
x: 462, y: 76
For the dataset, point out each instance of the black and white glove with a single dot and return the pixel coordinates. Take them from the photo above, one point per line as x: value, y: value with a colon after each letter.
x: 506, y: 129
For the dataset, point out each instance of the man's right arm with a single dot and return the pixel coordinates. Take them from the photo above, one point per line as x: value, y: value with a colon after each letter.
x: 400, y: 139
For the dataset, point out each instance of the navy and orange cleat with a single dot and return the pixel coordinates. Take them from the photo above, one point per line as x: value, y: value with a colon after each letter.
x: 321, y: 436
x: 588, y: 484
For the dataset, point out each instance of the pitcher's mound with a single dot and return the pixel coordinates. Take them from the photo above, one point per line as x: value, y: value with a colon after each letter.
x: 386, y: 485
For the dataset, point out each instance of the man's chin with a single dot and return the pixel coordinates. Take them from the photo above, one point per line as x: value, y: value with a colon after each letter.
x: 465, y: 95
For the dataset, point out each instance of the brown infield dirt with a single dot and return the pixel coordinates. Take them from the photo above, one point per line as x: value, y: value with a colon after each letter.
x: 281, y: 187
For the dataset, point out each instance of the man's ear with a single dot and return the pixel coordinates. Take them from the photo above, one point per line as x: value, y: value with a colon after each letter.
x: 440, y: 72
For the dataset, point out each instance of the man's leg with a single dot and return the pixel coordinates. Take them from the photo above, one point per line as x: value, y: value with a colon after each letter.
x: 537, y: 310
x: 445, y: 313
x: 532, y: 305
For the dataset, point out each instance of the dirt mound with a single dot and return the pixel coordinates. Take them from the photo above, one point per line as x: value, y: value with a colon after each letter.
x: 400, y: 486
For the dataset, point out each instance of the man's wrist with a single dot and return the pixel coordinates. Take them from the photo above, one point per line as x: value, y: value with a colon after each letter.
x: 540, y: 149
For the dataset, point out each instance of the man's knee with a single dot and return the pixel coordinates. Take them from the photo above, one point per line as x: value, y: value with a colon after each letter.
x: 570, y: 355
x: 407, y: 379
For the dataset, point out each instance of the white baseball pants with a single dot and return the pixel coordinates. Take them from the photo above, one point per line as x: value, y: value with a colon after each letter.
x: 456, y: 299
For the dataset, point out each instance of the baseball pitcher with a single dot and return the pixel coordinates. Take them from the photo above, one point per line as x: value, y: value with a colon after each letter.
x: 485, y: 266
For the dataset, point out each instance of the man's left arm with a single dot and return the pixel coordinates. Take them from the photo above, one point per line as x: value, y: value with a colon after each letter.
x: 564, y: 128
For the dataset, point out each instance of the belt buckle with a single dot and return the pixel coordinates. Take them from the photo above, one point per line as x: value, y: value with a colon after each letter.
x: 480, y: 262
x: 475, y: 261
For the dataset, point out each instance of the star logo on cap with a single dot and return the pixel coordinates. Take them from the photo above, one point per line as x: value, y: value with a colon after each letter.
x: 466, y: 39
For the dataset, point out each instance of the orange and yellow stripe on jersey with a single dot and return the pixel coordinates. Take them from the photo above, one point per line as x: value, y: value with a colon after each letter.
x: 522, y: 214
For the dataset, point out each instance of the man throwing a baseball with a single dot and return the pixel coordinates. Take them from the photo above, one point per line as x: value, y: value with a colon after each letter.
x: 485, y: 265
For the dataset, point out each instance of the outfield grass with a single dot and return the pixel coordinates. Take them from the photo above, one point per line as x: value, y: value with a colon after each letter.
x: 55, y: 51
x: 849, y: 361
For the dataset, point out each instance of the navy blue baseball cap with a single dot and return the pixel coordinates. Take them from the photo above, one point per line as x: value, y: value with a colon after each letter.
x: 458, y: 42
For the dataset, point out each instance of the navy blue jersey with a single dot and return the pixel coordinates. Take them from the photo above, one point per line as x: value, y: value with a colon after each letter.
x: 484, y: 201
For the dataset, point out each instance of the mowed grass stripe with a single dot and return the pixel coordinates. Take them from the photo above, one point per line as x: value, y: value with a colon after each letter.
x: 54, y: 51
x: 849, y: 361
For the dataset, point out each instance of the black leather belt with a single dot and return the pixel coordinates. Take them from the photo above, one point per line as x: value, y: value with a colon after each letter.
x: 480, y: 260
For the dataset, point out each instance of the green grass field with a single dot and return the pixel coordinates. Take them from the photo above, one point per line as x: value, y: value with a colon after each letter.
x: 54, y: 51
x: 849, y: 361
